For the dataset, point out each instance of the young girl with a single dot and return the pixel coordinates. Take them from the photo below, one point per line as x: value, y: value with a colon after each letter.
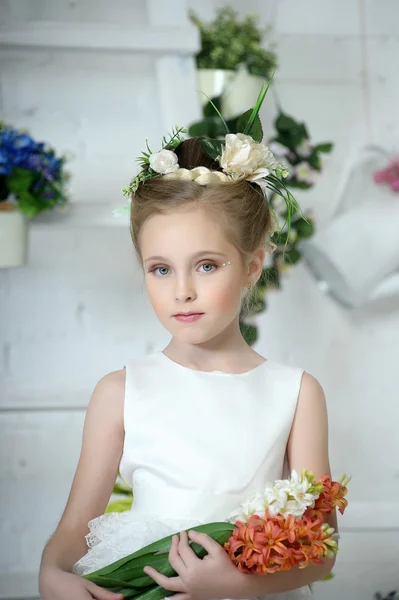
x: 196, y: 427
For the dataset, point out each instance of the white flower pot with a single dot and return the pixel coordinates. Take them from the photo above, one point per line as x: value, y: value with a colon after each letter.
x: 212, y: 82
x: 240, y: 93
x: 14, y: 230
x: 239, y: 89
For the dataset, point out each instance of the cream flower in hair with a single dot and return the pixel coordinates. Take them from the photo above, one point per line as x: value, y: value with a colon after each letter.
x: 179, y: 174
x: 164, y: 162
x: 204, y: 176
x: 200, y: 175
x: 243, y: 158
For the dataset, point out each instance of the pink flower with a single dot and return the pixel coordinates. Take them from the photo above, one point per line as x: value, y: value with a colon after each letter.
x: 389, y: 175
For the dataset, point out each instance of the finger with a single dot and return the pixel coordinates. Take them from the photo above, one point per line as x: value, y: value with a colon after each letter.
x: 101, y: 594
x: 172, y: 584
x: 174, y: 557
x: 185, y: 551
x: 204, y: 540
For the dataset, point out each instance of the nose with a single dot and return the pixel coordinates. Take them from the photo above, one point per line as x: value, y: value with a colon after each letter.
x: 185, y: 289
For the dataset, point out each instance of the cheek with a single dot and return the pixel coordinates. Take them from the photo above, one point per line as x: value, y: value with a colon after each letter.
x: 226, y: 296
x: 155, y: 295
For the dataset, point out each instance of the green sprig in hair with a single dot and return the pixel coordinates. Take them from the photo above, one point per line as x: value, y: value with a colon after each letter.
x: 248, y: 124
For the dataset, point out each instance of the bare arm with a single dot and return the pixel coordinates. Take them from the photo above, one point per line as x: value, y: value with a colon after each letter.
x: 307, y: 449
x: 95, y: 475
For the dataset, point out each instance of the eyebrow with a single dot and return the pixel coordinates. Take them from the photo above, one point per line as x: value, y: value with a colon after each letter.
x: 194, y: 256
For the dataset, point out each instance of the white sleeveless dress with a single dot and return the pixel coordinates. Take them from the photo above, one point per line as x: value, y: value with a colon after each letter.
x: 196, y: 444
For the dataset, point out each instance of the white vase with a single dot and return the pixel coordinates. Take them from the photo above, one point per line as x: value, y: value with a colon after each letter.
x: 240, y: 93
x: 14, y: 231
x: 212, y: 82
x: 239, y: 89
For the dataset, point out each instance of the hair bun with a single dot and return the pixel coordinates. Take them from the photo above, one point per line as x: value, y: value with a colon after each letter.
x: 191, y: 155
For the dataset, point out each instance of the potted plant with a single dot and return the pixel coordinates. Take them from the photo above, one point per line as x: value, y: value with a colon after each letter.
x: 232, y: 63
x: 32, y: 180
x: 292, y: 146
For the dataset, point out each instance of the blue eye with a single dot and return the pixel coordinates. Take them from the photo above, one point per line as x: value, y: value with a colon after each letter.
x: 161, y: 269
x: 209, y: 265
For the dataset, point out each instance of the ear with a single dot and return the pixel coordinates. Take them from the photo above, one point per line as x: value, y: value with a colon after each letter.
x: 255, y: 265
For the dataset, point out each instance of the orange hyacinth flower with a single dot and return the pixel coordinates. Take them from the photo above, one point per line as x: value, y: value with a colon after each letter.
x: 261, y: 544
x: 332, y: 496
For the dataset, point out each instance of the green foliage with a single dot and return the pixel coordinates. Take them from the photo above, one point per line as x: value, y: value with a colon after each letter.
x: 227, y: 43
x: 255, y: 130
x: 175, y: 139
x: 212, y: 148
x: 124, y: 503
x: 291, y: 134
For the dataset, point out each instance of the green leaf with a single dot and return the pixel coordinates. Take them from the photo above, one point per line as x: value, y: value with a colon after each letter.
x: 314, y: 160
x: 292, y: 256
x: 257, y: 107
x: 302, y: 185
x: 119, y: 505
x: 256, y: 130
x: 285, y: 123
x: 326, y: 147
x: 20, y: 180
x: 305, y: 229
x: 249, y: 333
x: 212, y: 148
x: 291, y: 133
x: 270, y: 276
x: 219, y: 531
x: 122, y: 488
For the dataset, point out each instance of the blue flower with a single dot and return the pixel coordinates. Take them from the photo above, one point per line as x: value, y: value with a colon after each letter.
x: 20, y: 150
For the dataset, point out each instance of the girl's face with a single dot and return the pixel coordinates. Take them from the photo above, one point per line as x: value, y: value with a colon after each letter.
x: 183, y: 254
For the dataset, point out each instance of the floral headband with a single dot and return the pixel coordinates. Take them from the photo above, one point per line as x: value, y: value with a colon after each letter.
x: 241, y: 156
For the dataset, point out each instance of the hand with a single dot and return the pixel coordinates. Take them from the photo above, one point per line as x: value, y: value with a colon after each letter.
x: 214, y: 576
x: 56, y: 584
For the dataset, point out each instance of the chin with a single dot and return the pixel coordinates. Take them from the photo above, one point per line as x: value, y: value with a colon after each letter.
x: 195, y: 337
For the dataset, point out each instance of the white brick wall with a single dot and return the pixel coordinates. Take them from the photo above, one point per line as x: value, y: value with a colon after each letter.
x: 78, y: 309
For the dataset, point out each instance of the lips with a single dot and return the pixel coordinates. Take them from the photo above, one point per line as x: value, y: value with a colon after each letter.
x: 187, y: 314
x: 188, y: 317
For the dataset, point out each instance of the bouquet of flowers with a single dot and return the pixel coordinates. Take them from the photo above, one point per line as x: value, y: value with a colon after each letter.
x: 271, y: 531
x: 30, y: 173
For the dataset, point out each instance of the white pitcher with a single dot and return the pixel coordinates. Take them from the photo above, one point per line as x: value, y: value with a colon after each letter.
x: 355, y: 258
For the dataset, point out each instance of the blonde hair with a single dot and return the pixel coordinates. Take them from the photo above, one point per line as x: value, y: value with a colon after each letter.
x: 239, y: 207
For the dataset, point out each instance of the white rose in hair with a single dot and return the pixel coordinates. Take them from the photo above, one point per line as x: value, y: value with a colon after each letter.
x: 243, y: 158
x: 164, y: 161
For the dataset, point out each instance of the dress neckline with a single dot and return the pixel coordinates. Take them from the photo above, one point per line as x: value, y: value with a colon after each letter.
x: 217, y: 373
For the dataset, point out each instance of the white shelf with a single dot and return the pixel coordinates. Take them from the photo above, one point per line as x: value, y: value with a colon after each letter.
x: 46, y: 401
x: 83, y: 214
x: 97, y: 36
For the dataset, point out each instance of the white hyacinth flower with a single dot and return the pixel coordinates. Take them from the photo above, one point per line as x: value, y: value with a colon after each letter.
x: 254, y: 505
